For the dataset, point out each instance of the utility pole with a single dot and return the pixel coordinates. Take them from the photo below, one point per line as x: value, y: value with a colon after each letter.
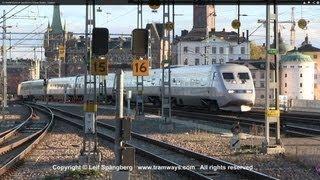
x: 90, y: 154
x: 119, y: 117
x: 272, y: 114
x: 166, y: 99
x: 4, y: 66
x: 139, y: 87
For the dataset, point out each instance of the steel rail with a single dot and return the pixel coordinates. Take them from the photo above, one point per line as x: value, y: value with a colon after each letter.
x: 248, y: 121
x: 200, y: 157
x: 30, y: 142
x: 10, y: 132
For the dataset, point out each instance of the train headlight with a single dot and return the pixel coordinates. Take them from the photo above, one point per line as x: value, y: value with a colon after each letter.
x: 249, y: 91
x: 231, y: 91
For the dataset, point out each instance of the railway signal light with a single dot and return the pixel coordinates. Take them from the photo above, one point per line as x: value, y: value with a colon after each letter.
x: 235, y: 24
x: 100, y: 40
x: 169, y: 26
x: 302, y: 23
x: 154, y: 5
x: 139, y: 44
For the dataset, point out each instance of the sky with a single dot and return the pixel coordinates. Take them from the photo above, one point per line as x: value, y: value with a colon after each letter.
x: 123, y: 19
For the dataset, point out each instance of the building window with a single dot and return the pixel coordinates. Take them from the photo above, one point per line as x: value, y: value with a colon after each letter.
x: 185, y: 62
x: 315, y: 76
x: 221, y: 61
x: 299, y: 66
x: 185, y: 49
x: 262, y: 84
x: 285, y: 75
x: 315, y: 56
x: 214, y: 61
x: 300, y: 75
x: 221, y: 50
x: 214, y: 50
x: 197, y: 50
x: 284, y: 66
x: 262, y: 96
x: 243, y: 50
x: 285, y: 92
x: 196, y: 62
x: 253, y: 75
x: 292, y: 66
x: 300, y: 91
x: 300, y: 84
x: 262, y: 75
x: 230, y: 50
x: 285, y: 84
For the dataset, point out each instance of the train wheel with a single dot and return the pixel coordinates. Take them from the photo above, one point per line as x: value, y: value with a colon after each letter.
x: 213, y: 106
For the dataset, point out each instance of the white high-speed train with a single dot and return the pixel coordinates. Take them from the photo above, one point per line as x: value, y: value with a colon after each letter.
x: 218, y: 86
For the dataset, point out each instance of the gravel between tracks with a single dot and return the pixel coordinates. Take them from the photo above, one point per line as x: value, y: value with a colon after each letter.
x: 15, y: 114
x: 216, y: 146
x: 61, y: 147
x: 280, y: 166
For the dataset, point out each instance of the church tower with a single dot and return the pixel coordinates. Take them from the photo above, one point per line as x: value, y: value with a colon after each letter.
x: 55, y: 36
x: 204, y: 18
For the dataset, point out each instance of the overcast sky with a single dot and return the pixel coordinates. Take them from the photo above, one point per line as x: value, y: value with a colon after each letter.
x: 122, y: 19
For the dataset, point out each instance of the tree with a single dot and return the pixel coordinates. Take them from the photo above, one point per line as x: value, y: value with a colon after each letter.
x: 257, y: 51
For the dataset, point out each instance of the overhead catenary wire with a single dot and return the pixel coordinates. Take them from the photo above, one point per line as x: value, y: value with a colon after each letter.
x: 15, y: 13
x: 22, y: 40
x: 8, y: 11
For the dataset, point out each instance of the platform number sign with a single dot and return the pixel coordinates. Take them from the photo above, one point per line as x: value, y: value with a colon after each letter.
x: 140, y: 67
x: 99, y: 67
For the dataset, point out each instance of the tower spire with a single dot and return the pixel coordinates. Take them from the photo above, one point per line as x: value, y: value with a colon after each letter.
x: 56, y: 21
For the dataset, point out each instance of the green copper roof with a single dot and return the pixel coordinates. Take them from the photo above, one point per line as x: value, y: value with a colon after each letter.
x: 56, y: 21
x: 296, y: 56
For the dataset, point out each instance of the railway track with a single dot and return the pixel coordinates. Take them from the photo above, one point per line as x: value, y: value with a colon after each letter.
x: 10, y: 132
x: 20, y: 140
x: 288, y: 122
x: 167, y: 154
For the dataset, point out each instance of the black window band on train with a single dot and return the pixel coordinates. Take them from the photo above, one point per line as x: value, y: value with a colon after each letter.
x: 243, y: 76
x: 228, y: 76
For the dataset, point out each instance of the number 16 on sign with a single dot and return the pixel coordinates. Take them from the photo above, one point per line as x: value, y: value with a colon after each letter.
x: 140, y: 67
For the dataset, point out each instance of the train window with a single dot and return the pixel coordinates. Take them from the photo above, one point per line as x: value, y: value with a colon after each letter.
x: 243, y: 76
x: 227, y: 76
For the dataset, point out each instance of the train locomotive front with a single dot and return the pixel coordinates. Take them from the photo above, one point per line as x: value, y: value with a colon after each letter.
x: 238, y: 88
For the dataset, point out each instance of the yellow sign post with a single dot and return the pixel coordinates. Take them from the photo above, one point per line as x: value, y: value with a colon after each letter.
x: 99, y: 67
x: 140, y: 67
x: 62, y: 52
x: 273, y: 113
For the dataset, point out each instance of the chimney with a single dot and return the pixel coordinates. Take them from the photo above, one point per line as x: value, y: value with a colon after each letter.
x: 247, y: 35
x: 184, y: 32
x: 211, y: 33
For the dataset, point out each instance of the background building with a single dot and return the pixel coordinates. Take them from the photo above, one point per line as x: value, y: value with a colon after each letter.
x: 314, y: 53
x: 219, y: 47
x: 297, y: 76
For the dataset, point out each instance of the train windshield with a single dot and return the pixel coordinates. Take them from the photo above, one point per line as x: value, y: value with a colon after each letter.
x: 243, y: 76
x: 228, y: 76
